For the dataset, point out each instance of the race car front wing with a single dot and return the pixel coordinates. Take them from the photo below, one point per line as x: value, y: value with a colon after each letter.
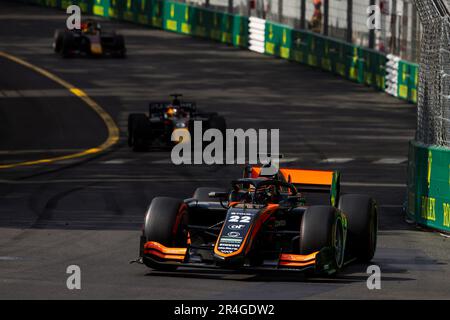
x: 317, y: 262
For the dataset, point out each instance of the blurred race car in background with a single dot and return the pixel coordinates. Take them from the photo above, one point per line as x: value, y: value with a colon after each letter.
x: 165, y: 117
x: 265, y: 223
x: 90, y: 40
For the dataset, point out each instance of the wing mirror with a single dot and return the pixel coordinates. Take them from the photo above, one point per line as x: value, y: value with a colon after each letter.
x: 219, y: 195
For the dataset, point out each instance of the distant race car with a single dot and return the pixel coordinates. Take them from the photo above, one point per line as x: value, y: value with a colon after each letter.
x: 262, y: 223
x: 165, y: 117
x: 90, y: 40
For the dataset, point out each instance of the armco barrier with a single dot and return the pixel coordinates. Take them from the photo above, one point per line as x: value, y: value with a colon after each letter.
x: 407, y: 81
x: 167, y: 15
x: 429, y: 186
x: 349, y: 61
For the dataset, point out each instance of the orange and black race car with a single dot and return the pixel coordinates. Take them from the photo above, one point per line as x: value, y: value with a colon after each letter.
x: 264, y: 222
x: 89, y: 40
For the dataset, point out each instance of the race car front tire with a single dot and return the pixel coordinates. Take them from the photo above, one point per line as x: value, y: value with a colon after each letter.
x: 164, y: 224
x: 323, y: 227
x: 362, y: 215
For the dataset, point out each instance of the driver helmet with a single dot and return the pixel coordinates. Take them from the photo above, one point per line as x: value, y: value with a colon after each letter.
x: 171, y: 111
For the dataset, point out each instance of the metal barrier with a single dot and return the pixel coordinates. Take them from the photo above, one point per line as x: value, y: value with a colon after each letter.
x: 429, y: 186
x: 429, y: 155
x: 350, y: 61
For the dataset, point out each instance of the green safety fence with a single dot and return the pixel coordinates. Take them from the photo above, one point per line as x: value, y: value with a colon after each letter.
x: 374, y: 70
x: 240, y: 31
x: 349, y: 61
x: 352, y: 62
x: 429, y: 186
x: 407, y: 81
x: 167, y: 15
x: 109, y: 8
x: 177, y: 17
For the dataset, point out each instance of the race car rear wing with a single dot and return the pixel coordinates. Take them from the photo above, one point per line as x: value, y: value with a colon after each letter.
x: 310, y: 180
x: 159, y: 106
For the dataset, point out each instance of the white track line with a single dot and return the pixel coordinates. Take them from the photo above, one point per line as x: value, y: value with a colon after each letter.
x: 337, y: 160
x: 390, y: 161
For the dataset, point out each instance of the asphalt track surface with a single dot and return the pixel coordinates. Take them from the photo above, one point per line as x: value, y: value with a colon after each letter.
x: 89, y: 211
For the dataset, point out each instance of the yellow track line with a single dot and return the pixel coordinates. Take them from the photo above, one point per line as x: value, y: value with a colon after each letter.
x: 113, y: 131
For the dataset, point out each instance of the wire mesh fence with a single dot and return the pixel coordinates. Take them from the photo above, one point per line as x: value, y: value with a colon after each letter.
x: 343, y: 19
x: 413, y: 30
x: 433, y: 118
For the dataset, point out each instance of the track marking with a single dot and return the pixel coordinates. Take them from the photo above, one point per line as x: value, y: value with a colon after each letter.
x: 28, y: 151
x: 116, y: 161
x: 113, y: 131
x: 391, y: 161
x: 8, y: 258
x: 337, y: 160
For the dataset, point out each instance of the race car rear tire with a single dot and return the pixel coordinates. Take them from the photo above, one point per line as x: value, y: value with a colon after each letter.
x: 67, y: 44
x: 140, y: 132
x: 320, y: 227
x: 362, y: 216
x: 165, y: 215
x: 202, y: 194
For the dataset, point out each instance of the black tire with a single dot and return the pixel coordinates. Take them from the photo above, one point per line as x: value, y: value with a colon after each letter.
x: 57, y: 42
x: 140, y: 131
x: 67, y: 44
x: 201, y: 194
x: 362, y: 216
x: 161, y: 219
x: 317, y: 230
